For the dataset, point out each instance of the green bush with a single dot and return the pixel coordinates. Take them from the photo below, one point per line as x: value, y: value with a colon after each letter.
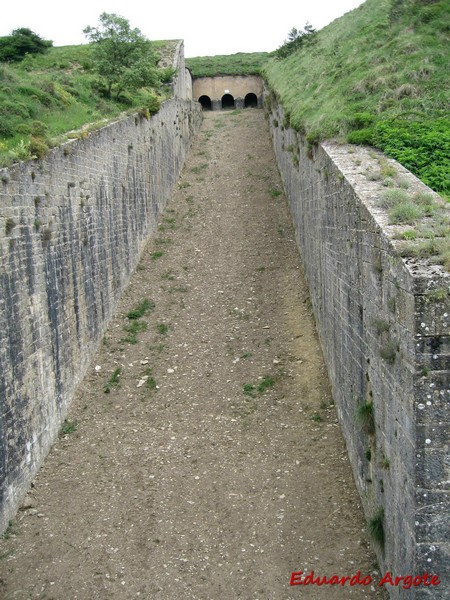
x: 21, y: 42
x: 361, y: 120
x: 7, y: 126
x: 422, y: 147
x: 38, y: 147
x: 361, y: 136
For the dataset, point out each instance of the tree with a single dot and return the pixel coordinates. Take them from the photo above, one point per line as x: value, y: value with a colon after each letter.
x: 122, y: 56
x: 297, y: 38
x: 21, y: 42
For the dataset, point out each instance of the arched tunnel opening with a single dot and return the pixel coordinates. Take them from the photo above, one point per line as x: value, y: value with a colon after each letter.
x: 206, y: 103
x: 227, y: 101
x: 251, y: 101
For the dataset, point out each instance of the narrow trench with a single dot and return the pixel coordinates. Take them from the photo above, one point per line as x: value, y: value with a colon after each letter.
x: 202, y: 457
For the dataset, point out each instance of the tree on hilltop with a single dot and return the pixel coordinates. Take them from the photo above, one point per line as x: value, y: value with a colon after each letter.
x: 297, y: 38
x: 122, y: 56
x: 21, y: 42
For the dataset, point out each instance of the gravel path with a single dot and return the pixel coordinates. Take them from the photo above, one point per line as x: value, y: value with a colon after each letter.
x: 202, y: 458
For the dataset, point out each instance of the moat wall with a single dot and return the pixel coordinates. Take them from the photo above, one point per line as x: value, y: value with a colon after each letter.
x: 384, y: 325
x: 72, y: 227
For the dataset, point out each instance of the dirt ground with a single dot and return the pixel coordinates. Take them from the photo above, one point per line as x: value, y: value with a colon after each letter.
x: 202, y: 457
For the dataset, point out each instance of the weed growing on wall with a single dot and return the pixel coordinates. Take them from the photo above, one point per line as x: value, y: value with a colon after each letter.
x: 376, y: 528
x: 364, y: 416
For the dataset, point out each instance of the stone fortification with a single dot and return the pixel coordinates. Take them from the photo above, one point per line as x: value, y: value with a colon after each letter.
x: 384, y: 323
x: 72, y: 227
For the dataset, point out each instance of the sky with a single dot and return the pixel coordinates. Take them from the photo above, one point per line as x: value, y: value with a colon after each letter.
x: 207, y: 28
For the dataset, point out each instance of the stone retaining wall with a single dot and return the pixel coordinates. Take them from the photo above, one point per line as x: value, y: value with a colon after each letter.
x: 384, y: 324
x: 72, y: 227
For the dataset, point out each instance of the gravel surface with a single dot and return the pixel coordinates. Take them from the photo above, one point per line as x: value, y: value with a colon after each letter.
x: 202, y: 457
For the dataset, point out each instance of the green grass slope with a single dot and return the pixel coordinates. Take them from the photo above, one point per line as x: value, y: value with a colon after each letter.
x: 242, y: 63
x: 379, y: 75
x: 49, y: 97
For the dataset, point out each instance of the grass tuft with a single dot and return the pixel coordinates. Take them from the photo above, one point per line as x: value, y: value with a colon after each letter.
x: 141, y: 309
x: 365, y: 417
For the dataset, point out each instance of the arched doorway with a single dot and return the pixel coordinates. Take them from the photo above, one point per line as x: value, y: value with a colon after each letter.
x: 206, y: 103
x: 251, y: 101
x: 227, y: 101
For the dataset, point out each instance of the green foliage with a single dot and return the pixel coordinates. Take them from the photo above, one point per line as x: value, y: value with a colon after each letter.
x: 162, y: 328
x: 364, y: 416
x: 422, y: 146
x: 9, y: 225
x: 37, y: 147
x: 405, y: 213
x: 265, y: 384
x: 122, y: 56
x: 388, y: 351
x: 297, y: 39
x: 376, y: 527
x: 113, y: 382
x: 378, y: 76
x: 380, y: 326
x: 141, y: 309
x: 68, y: 427
x: 45, y: 96
x: 21, y: 42
x: 133, y: 329
x: 361, y: 137
x: 231, y: 64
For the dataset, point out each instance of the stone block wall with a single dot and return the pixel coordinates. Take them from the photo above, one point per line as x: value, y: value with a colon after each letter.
x: 384, y: 324
x: 72, y: 227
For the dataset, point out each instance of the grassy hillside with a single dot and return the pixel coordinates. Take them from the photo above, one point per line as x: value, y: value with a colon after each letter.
x: 378, y: 76
x: 241, y: 63
x: 45, y: 96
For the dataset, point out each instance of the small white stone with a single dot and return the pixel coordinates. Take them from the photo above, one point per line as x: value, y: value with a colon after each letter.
x: 98, y: 368
x: 427, y: 441
x: 170, y: 371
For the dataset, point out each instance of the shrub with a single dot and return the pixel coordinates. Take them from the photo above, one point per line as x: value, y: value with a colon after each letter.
x: 405, y: 212
x: 7, y: 128
x: 38, y: 147
x: 21, y: 42
x: 391, y: 198
x: 363, y: 137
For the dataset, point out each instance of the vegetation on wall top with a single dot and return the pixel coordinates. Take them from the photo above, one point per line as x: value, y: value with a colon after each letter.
x: 241, y: 63
x: 65, y: 92
x: 376, y: 76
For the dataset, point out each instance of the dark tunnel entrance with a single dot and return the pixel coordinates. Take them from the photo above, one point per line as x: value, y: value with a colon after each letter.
x: 227, y: 101
x: 251, y: 101
x: 206, y: 103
